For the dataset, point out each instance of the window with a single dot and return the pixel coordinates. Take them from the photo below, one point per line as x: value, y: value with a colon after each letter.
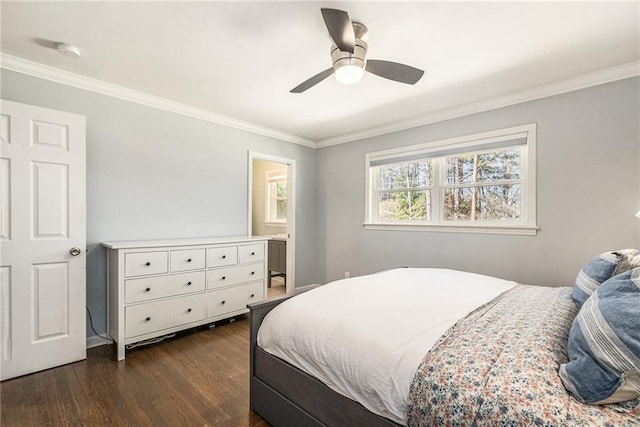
x: 477, y: 183
x: 404, y: 191
x: 276, y: 197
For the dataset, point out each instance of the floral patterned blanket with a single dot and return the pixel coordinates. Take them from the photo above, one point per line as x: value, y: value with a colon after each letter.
x: 499, y: 366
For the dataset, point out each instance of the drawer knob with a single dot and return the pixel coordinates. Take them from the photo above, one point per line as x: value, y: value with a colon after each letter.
x: 253, y: 253
x: 148, y: 289
x: 188, y: 283
x: 188, y: 259
x: 147, y: 263
x: 224, y: 277
x: 223, y: 301
x: 189, y: 310
x: 253, y: 272
x: 224, y: 256
x: 147, y: 319
x: 252, y: 295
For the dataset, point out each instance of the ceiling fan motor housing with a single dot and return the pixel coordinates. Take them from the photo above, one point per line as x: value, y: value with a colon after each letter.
x: 358, y: 58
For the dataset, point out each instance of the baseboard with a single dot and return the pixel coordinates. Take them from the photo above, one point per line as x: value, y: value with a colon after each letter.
x: 96, y: 341
x: 306, y: 287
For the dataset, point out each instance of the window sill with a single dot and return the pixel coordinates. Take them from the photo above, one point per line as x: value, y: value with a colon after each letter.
x: 275, y: 224
x: 521, y: 230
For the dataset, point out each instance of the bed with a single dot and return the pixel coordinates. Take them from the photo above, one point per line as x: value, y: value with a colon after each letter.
x: 418, y: 347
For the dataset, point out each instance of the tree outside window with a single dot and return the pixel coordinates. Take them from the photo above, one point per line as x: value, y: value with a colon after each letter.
x: 404, y: 191
x: 483, y: 186
x: 476, y: 187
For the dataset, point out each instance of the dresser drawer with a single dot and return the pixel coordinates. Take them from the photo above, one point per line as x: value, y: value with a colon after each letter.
x: 138, y: 290
x: 145, y: 263
x: 233, y: 299
x: 187, y: 259
x: 251, y: 253
x: 221, y: 256
x: 228, y: 276
x: 154, y: 316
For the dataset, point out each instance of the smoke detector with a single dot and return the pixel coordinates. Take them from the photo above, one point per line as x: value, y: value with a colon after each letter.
x: 67, y: 50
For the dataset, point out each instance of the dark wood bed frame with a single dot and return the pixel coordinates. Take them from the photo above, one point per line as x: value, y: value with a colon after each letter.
x: 286, y: 396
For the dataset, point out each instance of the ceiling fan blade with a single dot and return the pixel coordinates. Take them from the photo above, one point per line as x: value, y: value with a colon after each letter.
x: 394, y: 71
x: 340, y: 28
x: 312, y: 81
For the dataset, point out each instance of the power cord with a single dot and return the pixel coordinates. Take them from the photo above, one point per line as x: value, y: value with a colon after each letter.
x: 94, y: 329
x: 149, y: 341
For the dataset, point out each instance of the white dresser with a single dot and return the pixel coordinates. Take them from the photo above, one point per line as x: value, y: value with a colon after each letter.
x: 157, y: 287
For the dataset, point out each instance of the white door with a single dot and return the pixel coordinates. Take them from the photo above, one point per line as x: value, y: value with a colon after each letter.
x: 42, y: 226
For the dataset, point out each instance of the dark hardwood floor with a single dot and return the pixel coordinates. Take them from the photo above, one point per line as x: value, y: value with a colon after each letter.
x: 198, y: 378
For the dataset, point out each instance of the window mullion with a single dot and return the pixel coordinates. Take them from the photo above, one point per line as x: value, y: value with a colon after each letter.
x: 405, y: 189
x: 374, y: 191
x: 484, y: 183
x: 436, y: 194
x: 524, y: 187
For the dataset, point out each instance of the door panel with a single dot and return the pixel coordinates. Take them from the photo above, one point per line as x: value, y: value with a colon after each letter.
x: 5, y: 199
x: 42, y: 196
x: 5, y: 312
x: 50, y: 200
x: 4, y: 128
x: 49, y: 134
x: 51, y: 306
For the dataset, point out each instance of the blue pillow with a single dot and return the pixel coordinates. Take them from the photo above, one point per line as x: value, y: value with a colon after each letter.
x: 596, y: 271
x: 604, y: 344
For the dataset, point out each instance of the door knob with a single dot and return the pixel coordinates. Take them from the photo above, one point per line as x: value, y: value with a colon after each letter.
x: 75, y: 251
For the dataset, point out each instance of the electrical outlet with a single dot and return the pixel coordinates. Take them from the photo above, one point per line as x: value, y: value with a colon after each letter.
x: 346, y: 275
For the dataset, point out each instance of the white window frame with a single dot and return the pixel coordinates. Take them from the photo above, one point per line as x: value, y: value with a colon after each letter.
x: 273, y: 176
x: 476, y: 143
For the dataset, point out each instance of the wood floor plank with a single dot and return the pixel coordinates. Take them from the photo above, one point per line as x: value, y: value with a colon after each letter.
x: 200, y: 378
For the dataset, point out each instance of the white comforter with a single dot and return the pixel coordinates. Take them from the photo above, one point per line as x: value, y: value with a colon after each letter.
x: 365, y: 337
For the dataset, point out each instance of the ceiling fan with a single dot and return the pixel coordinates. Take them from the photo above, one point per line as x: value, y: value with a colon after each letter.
x: 349, y: 55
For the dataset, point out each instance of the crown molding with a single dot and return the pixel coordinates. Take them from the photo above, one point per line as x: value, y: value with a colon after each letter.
x: 607, y: 75
x: 46, y: 72
x: 57, y: 75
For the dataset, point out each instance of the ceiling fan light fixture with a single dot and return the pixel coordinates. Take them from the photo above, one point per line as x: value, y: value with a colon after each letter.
x: 349, y: 74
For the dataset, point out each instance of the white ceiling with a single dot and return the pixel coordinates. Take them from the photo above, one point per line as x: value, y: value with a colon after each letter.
x: 240, y: 59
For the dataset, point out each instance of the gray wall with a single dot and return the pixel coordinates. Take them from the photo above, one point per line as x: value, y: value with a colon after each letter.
x: 153, y: 174
x: 587, y: 193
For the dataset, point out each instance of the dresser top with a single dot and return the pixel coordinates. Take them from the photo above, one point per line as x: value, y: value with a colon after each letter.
x: 130, y: 244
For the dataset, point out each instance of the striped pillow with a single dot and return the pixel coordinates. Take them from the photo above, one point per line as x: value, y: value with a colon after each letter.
x: 604, y: 344
x: 599, y: 269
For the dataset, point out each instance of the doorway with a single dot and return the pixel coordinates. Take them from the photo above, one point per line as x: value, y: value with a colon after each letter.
x: 271, y: 206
